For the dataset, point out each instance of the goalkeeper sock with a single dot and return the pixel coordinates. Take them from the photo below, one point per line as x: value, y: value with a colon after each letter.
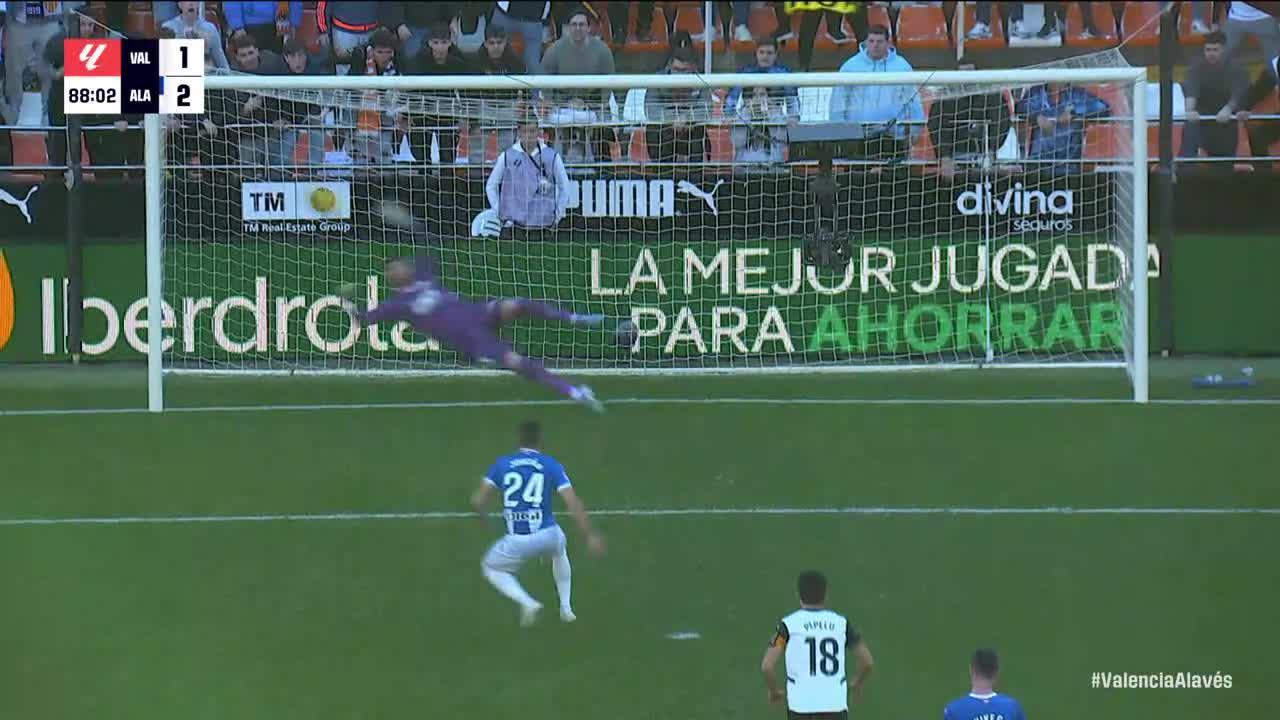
x: 533, y: 370
x: 507, y: 584
x: 563, y: 573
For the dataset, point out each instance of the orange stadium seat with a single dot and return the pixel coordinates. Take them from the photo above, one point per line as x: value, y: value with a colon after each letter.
x: 637, y: 151
x: 140, y: 23
x: 1139, y: 24
x: 970, y: 17
x: 1269, y: 106
x: 922, y: 147
x: 1103, y: 20
x: 762, y: 22
x: 689, y: 19
x: 1102, y: 141
x: 29, y: 149
x: 878, y: 15
x: 659, y: 40
x: 1185, y: 34
x: 721, y: 146
x: 921, y: 26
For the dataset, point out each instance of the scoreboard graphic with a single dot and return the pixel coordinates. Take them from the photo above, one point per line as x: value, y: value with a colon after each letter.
x: 126, y: 77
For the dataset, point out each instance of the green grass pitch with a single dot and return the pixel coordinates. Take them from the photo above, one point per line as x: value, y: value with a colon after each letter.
x: 390, y: 618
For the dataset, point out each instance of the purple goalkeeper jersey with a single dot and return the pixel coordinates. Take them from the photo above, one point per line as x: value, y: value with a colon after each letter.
x: 466, y: 326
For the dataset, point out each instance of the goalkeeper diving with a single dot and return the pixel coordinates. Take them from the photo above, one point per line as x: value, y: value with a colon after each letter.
x: 468, y: 327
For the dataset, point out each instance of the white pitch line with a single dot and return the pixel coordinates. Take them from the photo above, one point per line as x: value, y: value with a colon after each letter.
x: 636, y: 512
x: 443, y: 405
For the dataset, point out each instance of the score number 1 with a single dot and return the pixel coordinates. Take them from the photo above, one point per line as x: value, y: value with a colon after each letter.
x: 182, y: 67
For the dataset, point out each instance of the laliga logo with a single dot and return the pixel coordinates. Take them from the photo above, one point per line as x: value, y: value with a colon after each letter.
x: 6, y: 303
x: 91, y: 53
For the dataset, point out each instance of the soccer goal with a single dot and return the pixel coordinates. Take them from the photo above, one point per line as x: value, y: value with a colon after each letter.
x: 759, y: 223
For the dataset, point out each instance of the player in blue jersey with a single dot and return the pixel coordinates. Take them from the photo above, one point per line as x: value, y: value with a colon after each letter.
x: 983, y: 702
x: 527, y: 480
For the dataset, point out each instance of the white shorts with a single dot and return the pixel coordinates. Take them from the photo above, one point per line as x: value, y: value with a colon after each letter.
x: 512, y: 551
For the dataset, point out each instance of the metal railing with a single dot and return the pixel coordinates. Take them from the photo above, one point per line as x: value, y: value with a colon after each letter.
x: 482, y: 129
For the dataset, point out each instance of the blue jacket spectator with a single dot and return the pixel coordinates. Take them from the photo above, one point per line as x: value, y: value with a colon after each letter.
x: 877, y: 103
x: 1058, y: 113
x: 766, y: 63
x: 241, y: 15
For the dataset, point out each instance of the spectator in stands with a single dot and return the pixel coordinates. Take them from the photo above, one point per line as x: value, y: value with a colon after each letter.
x: 676, y: 130
x: 1263, y: 133
x: 970, y: 128
x: 249, y: 58
x: 162, y: 11
x: 742, y: 15
x: 677, y: 40
x: 27, y: 29
x: 620, y: 19
x: 412, y: 22
x: 562, y: 11
x: 883, y: 110
x: 347, y: 25
x: 91, y: 28
x: 263, y: 20
x: 56, y: 138
x: 189, y: 24
x: 528, y: 187
x: 1216, y: 86
x: 760, y: 137
x: 856, y: 12
x: 580, y: 137
x: 470, y: 26
x: 524, y: 19
x: 441, y: 57
x: 496, y: 107
x: 1055, y: 20
x: 302, y: 120
x: 1058, y: 112
x: 1245, y: 20
x: 766, y: 61
x: 259, y: 143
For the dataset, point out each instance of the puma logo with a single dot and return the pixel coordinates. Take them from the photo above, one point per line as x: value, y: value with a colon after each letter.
x: 688, y: 188
x: 9, y: 199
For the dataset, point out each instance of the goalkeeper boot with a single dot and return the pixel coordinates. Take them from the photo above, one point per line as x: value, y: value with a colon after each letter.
x: 584, y: 395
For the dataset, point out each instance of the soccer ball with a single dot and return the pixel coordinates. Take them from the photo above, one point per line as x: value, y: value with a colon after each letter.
x: 626, y: 334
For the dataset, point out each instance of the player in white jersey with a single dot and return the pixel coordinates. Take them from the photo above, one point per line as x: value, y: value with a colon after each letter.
x: 815, y: 641
x: 523, y: 478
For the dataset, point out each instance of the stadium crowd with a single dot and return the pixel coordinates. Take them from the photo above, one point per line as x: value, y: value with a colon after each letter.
x: 747, y: 127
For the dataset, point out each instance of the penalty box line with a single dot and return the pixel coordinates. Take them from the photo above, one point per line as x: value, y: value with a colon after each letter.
x: 641, y: 512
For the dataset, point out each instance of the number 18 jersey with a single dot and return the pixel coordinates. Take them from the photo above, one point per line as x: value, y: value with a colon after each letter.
x: 816, y: 640
x: 528, y: 481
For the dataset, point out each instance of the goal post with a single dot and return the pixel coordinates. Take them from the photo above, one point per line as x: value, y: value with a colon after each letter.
x: 806, y: 237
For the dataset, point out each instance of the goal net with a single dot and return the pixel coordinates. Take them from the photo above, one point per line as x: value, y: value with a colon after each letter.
x: 763, y: 222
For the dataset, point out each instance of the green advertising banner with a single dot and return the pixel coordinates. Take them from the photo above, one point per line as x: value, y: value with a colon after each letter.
x: 701, y: 303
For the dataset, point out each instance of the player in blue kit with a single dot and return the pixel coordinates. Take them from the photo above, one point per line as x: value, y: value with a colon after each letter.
x: 983, y: 702
x: 469, y: 327
x: 528, y: 479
